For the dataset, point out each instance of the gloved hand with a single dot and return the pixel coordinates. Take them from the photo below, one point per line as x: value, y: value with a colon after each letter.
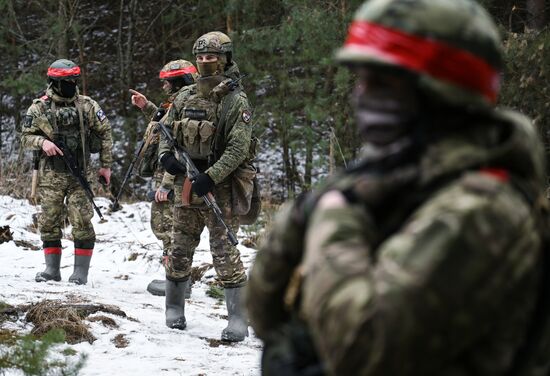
x: 172, y: 165
x: 202, y: 184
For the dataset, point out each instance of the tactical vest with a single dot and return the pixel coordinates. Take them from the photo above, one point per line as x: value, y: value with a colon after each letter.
x: 67, y: 124
x: 197, y: 127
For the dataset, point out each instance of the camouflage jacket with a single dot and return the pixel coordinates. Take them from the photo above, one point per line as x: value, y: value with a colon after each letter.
x: 234, y: 114
x: 430, y: 268
x: 39, y: 123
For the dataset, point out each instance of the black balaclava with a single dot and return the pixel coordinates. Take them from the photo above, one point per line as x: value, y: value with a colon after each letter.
x: 64, y: 88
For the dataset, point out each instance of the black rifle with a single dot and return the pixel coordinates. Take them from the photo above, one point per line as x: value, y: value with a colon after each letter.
x: 76, y: 171
x: 142, y: 147
x: 192, y: 172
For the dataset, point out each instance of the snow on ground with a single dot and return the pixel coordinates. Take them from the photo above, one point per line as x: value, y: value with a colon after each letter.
x: 114, y: 279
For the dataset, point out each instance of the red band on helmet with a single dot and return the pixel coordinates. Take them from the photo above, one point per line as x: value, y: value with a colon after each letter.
x: 177, y: 72
x: 63, y: 72
x: 496, y: 173
x: 422, y: 55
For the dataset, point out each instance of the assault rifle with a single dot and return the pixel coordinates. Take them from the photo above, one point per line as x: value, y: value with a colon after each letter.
x: 141, y: 149
x: 192, y: 172
x: 76, y: 171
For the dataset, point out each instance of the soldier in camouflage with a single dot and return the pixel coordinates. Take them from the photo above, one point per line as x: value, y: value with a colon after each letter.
x: 62, y: 114
x: 425, y: 257
x: 213, y: 123
x: 176, y: 76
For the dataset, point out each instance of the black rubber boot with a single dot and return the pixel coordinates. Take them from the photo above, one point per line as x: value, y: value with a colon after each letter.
x: 237, y: 329
x: 175, y: 304
x: 53, y: 260
x: 82, y: 258
x: 157, y: 287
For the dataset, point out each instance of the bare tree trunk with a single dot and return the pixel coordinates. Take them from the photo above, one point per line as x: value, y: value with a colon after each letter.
x: 535, y: 12
x: 309, y: 161
x: 63, y: 37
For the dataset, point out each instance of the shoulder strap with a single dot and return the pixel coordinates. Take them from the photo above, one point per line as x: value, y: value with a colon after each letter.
x: 78, y: 106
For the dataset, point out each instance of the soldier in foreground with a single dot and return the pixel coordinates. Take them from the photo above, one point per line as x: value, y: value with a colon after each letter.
x: 63, y: 117
x: 425, y: 257
x: 176, y: 76
x: 213, y: 124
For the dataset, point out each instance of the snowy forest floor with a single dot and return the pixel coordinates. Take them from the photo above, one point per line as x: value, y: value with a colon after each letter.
x: 126, y: 258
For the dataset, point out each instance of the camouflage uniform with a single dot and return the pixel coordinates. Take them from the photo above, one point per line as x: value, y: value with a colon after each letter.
x: 65, y: 117
x: 426, y: 262
x: 56, y: 183
x: 189, y: 221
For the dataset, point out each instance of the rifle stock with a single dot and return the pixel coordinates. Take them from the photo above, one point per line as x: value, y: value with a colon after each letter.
x: 193, y: 171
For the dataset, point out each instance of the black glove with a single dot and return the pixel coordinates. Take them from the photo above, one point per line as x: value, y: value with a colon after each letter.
x: 202, y: 184
x: 172, y: 165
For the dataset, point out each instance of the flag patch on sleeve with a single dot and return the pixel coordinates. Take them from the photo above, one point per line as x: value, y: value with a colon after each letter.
x: 101, y: 115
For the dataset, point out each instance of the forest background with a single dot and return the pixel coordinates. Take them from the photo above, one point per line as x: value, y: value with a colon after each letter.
x: 285, y: 48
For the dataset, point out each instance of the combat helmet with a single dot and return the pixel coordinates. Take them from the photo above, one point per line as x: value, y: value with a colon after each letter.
x: 214, y: 42
x: 63, y: 69
x: 179, y: 70
x: 452, y: 45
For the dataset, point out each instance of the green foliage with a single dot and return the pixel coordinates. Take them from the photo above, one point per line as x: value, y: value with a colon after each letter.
x: 215, y: 292
x: 526, y: 77
x: 35, y: 356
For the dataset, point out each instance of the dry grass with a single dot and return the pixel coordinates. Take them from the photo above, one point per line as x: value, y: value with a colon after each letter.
x: 106, y: 321
x: 197, y: 272
x: 49, y: 314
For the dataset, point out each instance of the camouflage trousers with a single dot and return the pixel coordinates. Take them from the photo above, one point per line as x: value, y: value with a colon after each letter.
x: 161, y: 222
x: 187, y: 228
x: 58, y: 189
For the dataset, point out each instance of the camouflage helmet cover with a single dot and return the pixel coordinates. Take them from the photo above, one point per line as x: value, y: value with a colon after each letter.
x: 453, y: 46
x: 178, y: 68
x: 63, y: 69
x: 214, y: 42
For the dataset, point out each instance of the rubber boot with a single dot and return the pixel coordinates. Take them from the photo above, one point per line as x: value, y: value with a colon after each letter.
x: 175, y: 304
x: 237, y: 328
x: 82, y: 259
x: 53, y: 260
x: 157, y: 287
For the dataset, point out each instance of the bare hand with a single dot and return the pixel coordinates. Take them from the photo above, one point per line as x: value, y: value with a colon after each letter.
x: 138, y: 99
x: 50, y: 149
x: 161, y: 195
x: 106, y: 173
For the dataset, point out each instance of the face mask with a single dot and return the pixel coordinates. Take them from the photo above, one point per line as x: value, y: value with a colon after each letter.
x: 382, y: 116
x: 208, y: 69
x: 66, y: 89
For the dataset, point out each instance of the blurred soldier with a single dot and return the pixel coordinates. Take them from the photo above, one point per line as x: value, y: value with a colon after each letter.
x: 213, y: 123
x: 425, y: 257
x: 78, y: 121
x: 176, y: 76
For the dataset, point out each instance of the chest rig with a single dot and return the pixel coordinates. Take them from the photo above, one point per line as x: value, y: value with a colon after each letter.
x: 68, y: 125
x: 196, y: 130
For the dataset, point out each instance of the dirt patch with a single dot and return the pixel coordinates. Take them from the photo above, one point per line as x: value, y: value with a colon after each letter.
x: 214, y: 342
x: 5, y: 234
x: 122, y: 277
x: 197, y: 272
x: 26, y: 244
x: 8, y: 337
x: 133, y: 256
x: 120, y: 341
x: 106, y: 321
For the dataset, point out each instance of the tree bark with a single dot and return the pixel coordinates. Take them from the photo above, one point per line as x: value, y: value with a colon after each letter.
x: 535, y: 12
x: 63, y: 38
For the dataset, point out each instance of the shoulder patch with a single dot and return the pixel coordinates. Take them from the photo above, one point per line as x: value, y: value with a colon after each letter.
x: 44, y: 97
x: 101, y: 115
x: 247, y: 116
x: 27, y: 121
